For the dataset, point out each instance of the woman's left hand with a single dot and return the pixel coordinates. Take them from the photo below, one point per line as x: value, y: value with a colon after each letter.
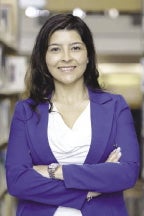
x: 114, y: 157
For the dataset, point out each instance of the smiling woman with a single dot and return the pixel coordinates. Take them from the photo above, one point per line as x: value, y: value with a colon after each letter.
x: 72, y: 147
x: 66, y: 57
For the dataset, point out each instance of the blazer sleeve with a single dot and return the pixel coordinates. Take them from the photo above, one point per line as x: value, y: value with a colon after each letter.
x: 110, y: 177
x: 23, y: 181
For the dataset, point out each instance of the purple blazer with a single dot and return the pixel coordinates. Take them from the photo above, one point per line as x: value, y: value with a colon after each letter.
x: 112, y: 126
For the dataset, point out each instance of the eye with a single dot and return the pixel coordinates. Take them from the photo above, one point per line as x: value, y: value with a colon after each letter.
x: 76, y: 48
x: 53, y: 49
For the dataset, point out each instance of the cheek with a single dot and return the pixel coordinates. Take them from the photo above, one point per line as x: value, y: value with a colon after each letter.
x: 51, y: 60
x: 82, y: 57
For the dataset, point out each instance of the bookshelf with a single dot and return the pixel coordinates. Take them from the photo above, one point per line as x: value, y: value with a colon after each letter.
x: 7, y: 103
x: 9, y: 22
x: 12, y: 71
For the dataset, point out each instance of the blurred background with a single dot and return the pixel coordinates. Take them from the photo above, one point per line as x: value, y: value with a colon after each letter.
x: 118, y: 32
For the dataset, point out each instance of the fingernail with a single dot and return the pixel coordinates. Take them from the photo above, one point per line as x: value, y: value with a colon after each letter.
x: 119, y: 154
x: 118, y: 149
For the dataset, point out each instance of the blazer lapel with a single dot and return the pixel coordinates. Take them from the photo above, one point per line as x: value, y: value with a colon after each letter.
x: 37, y: 131
x: 101, y: 119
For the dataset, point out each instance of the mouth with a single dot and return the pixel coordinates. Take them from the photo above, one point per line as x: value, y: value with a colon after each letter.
x: 67, y: 69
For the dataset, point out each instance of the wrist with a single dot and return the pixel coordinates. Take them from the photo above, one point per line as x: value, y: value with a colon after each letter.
x: 52, y: 169
x: 59, y: 173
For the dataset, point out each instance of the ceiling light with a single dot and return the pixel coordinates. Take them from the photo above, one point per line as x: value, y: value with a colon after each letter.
x: 35, y: 3
x: 31, y: 12
x: 79, y: 12
x: 113, y: 13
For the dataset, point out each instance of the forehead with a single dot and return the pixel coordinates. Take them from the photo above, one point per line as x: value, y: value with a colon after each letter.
x: 64, y: 36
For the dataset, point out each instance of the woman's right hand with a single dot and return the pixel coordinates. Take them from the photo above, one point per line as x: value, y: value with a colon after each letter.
x: 114, y: 157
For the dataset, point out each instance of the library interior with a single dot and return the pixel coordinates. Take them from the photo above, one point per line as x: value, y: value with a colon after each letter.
x: 118, y: 32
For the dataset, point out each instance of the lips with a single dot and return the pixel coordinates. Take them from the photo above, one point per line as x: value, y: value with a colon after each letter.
x: 68, y: 68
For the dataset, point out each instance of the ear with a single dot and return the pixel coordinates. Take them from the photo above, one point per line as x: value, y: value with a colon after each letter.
x: 87, y: 60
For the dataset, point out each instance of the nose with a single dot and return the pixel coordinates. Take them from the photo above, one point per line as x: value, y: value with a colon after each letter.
x: 66, y: 55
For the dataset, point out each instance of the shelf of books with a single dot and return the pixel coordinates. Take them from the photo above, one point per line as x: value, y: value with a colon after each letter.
x: 7, y: 202
x: 11, y: 87
x: 12, y: 72
x: 9, y: 22
x: 7, y: 103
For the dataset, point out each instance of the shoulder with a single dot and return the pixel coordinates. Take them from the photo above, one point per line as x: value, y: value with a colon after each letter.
x: 112, y: 103
x: 23, y: 109
x: 103, y: 97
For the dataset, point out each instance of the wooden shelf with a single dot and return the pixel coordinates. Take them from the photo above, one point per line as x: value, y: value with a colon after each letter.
x: 8, y: 44
x: 3, y: 186
x: 130, y: 6
x: 3, y: 190
x: 8, y: 91
x: 3, y: 142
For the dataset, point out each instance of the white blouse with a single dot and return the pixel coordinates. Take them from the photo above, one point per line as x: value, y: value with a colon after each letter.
x: 69, y: 145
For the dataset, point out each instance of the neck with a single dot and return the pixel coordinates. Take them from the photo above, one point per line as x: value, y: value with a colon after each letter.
x: 70, y: 94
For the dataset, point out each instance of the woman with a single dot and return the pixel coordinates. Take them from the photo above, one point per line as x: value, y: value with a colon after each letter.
x: 72, y: 146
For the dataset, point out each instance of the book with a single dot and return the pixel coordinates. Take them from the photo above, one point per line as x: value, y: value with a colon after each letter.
x: 15, y: 67
x: 1, y: 65
x: 5, y: 118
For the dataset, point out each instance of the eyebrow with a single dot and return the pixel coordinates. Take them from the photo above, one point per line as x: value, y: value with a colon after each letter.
x: 74, y: 43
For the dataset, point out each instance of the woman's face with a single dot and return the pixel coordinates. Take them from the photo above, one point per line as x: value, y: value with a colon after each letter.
x: 66, y: 57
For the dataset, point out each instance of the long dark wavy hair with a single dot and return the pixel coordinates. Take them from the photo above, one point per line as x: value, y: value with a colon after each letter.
x: 39, y: 82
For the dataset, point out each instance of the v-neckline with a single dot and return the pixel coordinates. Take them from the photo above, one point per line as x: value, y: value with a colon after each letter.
x: 76, y: 121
